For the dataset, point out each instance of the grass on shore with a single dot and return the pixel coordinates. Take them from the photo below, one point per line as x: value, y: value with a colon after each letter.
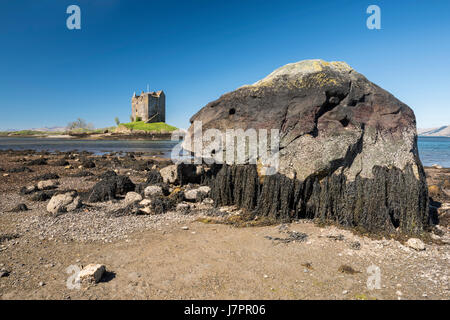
x: 90, y: 131
x: 138, y: 125
x: 22, y: 133
x: 156, y: 126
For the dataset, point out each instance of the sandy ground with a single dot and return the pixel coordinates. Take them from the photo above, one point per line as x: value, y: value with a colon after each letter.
x: 157, y: 257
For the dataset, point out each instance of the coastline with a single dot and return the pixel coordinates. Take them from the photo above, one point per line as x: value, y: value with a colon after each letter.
x: 99, y: 136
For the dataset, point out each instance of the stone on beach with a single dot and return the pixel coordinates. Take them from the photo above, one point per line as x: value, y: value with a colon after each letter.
x: 197, y: 194
x: 169, y: 174
x: 64, y: 202
x: 110, y: 187
x: 47, y: 184
x: 92, y: 273
x: 132, y: 197
x: 153, y: 191
x: 416, y: 244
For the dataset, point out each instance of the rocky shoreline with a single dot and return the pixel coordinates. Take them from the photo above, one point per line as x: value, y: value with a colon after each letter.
x: 68, y: 199
x: 153, y: 136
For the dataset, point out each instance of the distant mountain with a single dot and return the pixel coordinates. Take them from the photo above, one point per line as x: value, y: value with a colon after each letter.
x: 50, y: 129
x: 443, y: 131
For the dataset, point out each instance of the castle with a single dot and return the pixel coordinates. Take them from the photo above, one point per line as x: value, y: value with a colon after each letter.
x: 149, y: 107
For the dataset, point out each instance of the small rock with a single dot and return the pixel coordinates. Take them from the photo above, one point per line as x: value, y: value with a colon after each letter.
x: 132, y: 197
x: 145, y: 202
x: 185, y: 228
x: 208, y: 201
x: 197, y: 194
x: 355, y: 245
x: 64, y: 202
x: 41, y: 284
x: 146, y: 210
x: 88, y: 163
x: 416, y: 244
x: 153, y: 191
x: 183, y: 207
x: 345, y: 292
x: 399, y: 293
x: 47, y: 184
x: 92, y: 273
x: 20, y: 207
x: 28, y: 189
x: 4, y: 273
x: 169, y: 174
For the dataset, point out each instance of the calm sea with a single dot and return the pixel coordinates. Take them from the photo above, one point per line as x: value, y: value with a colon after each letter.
x: 434, y: 150
x: 95, y: 146
x: 431, y: 149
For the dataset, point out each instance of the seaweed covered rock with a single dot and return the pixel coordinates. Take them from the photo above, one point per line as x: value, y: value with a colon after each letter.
x: 110, y: 187
x: 347, y: 150
x: 154, y: 177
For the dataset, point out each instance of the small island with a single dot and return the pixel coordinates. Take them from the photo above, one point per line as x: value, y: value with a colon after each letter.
x: 148, y: 122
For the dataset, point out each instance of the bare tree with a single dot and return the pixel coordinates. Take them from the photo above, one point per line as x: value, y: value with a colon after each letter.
x: 80, y: 124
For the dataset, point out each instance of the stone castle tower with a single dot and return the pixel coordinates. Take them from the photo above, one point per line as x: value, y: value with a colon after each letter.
x: 149, y: 106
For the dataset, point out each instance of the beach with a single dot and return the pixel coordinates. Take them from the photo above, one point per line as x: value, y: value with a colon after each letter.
x: 195, y: 253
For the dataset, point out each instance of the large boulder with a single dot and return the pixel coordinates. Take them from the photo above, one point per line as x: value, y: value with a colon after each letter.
x: 347, y: 150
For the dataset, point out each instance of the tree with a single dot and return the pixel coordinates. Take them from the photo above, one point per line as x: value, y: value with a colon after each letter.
x: 80, y: 124
x: 116, y: 119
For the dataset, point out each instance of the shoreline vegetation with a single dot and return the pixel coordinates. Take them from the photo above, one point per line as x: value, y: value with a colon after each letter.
x: 131, y: 130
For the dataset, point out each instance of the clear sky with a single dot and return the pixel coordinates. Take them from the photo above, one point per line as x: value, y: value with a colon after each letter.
x: 196, y: 50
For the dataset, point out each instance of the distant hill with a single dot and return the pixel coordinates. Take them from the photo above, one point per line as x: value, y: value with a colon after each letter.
x: 50, y: 129
x: 443, y: 131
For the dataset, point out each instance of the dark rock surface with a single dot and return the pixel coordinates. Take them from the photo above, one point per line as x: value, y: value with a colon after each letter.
x: 110, y: 187
x: 348, y: 150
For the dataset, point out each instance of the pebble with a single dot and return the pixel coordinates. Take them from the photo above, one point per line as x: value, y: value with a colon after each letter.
x: 4, y: 273
x: 345, y: 292
x: 185, y: 228
x: 416, y: 244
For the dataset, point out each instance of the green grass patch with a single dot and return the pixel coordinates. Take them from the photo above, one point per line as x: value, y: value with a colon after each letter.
x: 91, y: 131
x: 156, y: 126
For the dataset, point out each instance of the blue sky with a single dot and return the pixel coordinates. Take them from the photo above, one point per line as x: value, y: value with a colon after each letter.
x: 197, y: 50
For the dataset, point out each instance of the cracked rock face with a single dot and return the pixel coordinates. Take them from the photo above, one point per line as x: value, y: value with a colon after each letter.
x: 349, y: 146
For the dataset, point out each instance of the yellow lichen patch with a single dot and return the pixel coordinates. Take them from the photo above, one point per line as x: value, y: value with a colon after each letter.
x: 207, y: 220
x: 434, y: 191
x: 362, y: 296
